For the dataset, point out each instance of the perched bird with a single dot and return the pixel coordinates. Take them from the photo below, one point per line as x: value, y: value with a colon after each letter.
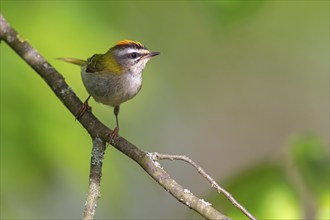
x: 115, y: 76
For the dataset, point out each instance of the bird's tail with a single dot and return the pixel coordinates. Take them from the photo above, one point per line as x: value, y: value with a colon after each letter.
x: 78, y: 62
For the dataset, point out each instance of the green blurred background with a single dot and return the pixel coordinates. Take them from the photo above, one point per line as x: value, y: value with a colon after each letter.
x: 242, y: 87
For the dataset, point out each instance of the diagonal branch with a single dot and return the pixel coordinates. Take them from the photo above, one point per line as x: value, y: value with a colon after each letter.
x: 98, y: 132
x: 157, y: 156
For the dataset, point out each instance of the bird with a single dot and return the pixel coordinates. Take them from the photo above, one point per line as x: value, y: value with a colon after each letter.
x: 114, y: 77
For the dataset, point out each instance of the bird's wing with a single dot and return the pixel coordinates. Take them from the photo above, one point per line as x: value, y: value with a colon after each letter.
x: 94, y: 64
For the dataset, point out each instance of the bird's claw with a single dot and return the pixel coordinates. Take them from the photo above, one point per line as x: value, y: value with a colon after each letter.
x: 83, y: 108
x: 112, y: 135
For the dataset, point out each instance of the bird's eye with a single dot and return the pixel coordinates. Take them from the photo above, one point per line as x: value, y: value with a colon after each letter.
x: 133, y: 55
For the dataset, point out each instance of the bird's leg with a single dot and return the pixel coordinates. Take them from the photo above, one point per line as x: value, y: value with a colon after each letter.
x: 115, y: 131
x: 83, y: 108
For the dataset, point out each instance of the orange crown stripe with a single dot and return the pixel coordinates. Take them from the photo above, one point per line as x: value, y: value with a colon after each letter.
x: 124, y: 43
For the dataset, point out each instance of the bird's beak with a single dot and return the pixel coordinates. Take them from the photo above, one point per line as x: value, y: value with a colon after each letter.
x: 151, y: 54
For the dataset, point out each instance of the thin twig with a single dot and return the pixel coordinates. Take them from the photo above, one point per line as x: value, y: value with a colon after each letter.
x: 214, y: 184
x: 95, y: 174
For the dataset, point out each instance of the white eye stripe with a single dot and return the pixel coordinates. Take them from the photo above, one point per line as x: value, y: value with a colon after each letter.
x: 131, y: 50
x: 125, y: 51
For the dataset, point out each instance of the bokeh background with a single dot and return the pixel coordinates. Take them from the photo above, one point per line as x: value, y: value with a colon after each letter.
x: 242, y: 87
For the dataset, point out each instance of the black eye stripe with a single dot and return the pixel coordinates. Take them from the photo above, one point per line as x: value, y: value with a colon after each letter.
x: 133, y: 55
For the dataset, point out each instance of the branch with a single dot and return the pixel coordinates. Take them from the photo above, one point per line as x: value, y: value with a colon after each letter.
x: 200, y: 170
x: 94, y: 178
x: 99, y: 131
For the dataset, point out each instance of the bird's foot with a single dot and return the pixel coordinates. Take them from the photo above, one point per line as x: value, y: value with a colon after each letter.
x: 112, y: 135
x: 83, y: 108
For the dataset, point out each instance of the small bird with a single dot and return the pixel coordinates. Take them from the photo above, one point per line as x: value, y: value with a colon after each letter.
x: 115, y: 76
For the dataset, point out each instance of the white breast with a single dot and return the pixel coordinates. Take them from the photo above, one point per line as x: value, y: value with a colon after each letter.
x: 111, y: 89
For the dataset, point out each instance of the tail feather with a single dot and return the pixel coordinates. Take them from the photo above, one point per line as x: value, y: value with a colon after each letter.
x: 78, y: 62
